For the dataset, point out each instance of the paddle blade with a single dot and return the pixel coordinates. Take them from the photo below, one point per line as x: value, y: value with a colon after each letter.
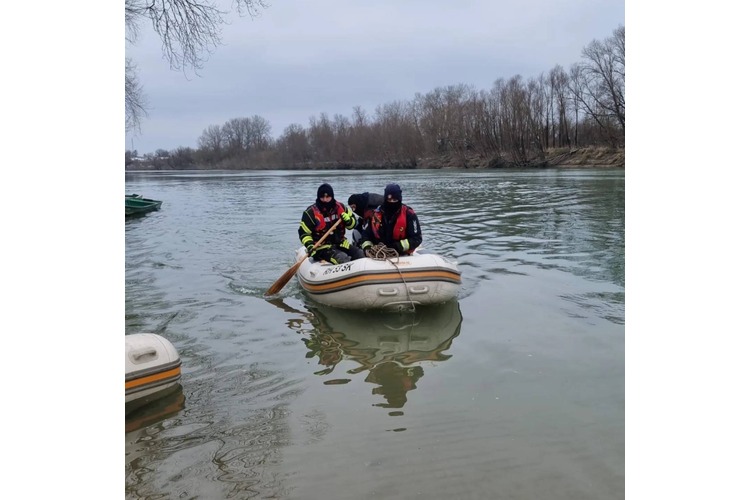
x: 281, y: 282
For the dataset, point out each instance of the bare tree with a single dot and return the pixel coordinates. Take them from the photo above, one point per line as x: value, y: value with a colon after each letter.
x: 559, y: 86
x: 494, y: 104
x: 237, y: 135
x: 603, y: 83
x: 321, y: 137
x: 515, y: 117
x: 485, y: 133
x: 537, y: 105
x: 342, y: 128
x: 135, y: 100
x: 362, y: 137
x: 189, y: 31
x: 398, y: 136
x: 575, y: 93
x: 433, y: 121
x: 259, y: 133
x: 211, y: 139
x: 293, y: 145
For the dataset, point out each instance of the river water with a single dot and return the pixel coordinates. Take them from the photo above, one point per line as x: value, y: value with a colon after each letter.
x: 515, y: 390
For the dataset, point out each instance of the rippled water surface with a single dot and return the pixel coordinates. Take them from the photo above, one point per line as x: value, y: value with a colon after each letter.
x: 516, y: 390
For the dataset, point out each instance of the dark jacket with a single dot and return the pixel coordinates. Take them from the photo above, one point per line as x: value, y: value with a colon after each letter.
x: 366, y: 203
x: 316, y: 221
x: 380, y: 230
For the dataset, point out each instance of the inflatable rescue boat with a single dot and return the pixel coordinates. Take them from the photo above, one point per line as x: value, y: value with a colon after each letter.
x: 396, y: 283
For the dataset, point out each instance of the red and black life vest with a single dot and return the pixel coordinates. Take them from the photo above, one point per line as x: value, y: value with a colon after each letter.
x: 399, y: 228
x: 321, y: 223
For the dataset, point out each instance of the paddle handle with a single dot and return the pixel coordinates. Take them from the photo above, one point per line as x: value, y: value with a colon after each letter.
x: 279, y: 284
x: 325, y: 235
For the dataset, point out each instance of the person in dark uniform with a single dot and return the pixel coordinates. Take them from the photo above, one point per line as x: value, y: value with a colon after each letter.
x: 363, y: 205
x: 394, y: 224
x: 318, y: 218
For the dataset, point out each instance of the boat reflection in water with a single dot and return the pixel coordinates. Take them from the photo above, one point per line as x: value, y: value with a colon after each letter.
x: 389, y: 346
x: 168, y: 405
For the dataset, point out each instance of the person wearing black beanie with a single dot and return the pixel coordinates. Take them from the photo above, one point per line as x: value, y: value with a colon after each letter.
x: 394, y: 224
x: 318, y: 218
x: 325, y: 189
x: 363, y: 205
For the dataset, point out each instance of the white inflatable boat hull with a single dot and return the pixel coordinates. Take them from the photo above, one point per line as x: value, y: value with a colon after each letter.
x: 393, y: 284
x: 152, y: 367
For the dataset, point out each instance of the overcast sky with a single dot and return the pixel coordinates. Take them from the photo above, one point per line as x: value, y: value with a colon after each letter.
x: 302, y: 58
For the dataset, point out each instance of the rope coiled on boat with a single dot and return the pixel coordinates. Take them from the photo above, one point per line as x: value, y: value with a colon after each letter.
x: 381, y: 252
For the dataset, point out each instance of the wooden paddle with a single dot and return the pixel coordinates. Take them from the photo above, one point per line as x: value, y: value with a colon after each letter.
x: 279, y: 284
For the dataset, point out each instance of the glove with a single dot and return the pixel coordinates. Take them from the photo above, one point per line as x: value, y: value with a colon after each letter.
x: 309, y: 249
x: 346, y: 217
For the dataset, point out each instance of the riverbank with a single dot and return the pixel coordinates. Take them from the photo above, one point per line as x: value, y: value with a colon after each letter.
x: 553, y: 158
x: 587, y: 157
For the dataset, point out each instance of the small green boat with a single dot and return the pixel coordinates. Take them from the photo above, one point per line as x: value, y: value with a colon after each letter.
x: 136, y: 204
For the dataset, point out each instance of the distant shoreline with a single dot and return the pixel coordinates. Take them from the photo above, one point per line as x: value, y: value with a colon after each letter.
x: 554, y: 158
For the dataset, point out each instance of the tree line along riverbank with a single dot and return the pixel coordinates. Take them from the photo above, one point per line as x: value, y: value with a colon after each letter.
x: 595, y: 157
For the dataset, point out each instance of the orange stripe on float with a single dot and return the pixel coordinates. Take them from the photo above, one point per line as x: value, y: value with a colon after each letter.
x: 378, y: 277
x: 152, y: 378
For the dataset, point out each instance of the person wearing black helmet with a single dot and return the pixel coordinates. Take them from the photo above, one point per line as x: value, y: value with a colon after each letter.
x: 318, y: 218
x: 363, y: 205
x: 394, y: 224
